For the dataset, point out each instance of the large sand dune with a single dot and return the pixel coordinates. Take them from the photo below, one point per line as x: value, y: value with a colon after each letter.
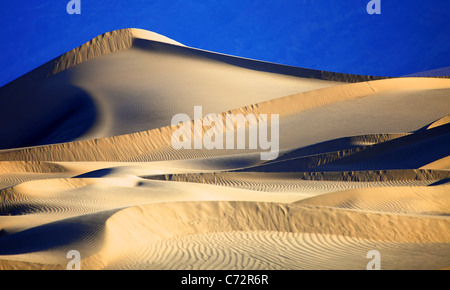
x: 87, y: 164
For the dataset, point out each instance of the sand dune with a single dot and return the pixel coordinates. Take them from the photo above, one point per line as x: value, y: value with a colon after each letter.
x: 103, y: 237
x: 443, y: 163
x: 429, y: 200
x: 281, y: 251
x: 309, y: 183
x: 166, y: 72
x: 443, y: 121
x: 87, y: 164
x: 320, y: 107
x: 392, y: 154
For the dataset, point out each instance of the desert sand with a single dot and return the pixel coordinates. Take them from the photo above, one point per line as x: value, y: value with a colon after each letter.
x: 87, y: 164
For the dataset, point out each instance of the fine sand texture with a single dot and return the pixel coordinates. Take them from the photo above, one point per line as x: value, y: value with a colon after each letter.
x: 87, y: 164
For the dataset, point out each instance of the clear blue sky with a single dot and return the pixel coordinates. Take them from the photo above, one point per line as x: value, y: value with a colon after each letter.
x: 334, y: 35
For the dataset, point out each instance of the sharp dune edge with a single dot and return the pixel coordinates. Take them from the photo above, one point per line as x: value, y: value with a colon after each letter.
x: 88, y: 165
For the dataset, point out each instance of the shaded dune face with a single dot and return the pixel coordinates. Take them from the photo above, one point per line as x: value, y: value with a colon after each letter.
x: 87, y: 164
x: 64, y: 113
x: 410, y: 151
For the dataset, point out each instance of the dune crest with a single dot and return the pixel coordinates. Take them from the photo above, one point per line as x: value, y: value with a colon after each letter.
x: 109, y: 42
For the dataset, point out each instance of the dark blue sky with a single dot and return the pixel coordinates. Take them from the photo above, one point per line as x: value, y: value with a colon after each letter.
x: 408, y: 37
